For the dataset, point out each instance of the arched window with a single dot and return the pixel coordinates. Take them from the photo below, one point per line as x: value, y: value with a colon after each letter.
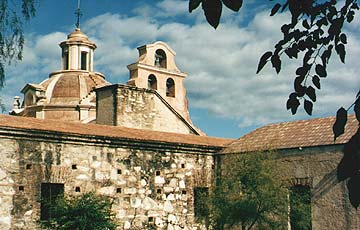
x: 170, y: 87
x: 152, y: 82
x: 160, y: 58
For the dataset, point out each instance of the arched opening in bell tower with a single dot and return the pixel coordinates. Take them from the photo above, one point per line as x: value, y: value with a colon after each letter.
x: 152, y: 82
x: 160, y: 58
x: 170, y: 87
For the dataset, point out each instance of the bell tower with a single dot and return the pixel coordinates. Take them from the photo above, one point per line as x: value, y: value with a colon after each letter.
x: 78, y: 52
x: 156, y: 70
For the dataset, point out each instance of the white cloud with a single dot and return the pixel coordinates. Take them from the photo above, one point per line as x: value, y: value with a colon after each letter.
x: 173, y: 7
x: 220, y: 64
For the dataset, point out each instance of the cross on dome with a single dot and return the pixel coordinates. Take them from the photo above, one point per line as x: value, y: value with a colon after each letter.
x: 78, y: 15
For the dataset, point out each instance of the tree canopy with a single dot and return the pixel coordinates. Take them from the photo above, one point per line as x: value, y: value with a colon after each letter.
x: 251, y: 193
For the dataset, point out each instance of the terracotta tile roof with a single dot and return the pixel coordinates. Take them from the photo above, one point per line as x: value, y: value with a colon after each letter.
x: 26, y: 123
x: 287, y: 135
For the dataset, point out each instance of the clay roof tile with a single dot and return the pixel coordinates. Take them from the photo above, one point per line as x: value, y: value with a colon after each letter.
x: 287, y: 135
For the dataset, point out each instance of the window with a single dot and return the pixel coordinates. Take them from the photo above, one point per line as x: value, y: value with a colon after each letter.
x: 300, y: 207
x: 200, y: 208
x: 49, y: 193
x: 83, y: 60
x: 170, y: 87
x: 152, y: 82
x: 29, y: 99
x: 160, y: 58
x: 65, y: 56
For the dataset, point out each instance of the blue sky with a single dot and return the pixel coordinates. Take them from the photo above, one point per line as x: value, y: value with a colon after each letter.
x: 226, y: 97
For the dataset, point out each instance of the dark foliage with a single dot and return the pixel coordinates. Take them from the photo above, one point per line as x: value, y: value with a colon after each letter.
x: 300, y: 208
x: 85, y: 212
x: 212, y: 8
x: 13, y: 15
x: 315, y: 31
x: 349, y: 167
x: 249, y: 193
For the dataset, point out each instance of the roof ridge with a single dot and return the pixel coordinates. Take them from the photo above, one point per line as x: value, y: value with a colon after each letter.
x: 48, y: 125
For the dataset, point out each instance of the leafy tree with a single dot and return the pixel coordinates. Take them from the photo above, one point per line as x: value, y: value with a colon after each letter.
x: 249, y: 193
x: 313, y: 33
x: 13, y: 15
x: 300, y: 208
x: 85, y: 212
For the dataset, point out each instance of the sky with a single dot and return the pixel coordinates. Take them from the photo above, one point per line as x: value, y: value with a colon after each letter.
x: 226, y: 97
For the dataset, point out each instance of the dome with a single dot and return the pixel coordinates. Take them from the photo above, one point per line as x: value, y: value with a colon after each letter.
x: 79, y: 38
x: 71, y: 87
x: 77, y: 34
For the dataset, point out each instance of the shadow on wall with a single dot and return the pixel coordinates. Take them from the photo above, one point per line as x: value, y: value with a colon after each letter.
x: 349, y: 167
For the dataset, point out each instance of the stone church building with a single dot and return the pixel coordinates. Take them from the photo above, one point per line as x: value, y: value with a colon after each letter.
x: 75, y: 132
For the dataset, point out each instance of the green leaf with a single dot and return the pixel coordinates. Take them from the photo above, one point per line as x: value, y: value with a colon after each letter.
x: 234, y: 5
x: 343, y: 38
x: 212, y: 10
x: 292, y: 103
x: 299, y: 88
x: 305, y: 24
x: 264, y: 58
x: 310, y: 91
x: 350, y: 16
x: 340, y: 122
x: 316, y: 81
x: 193, y: 4
x: 308, y: 106
x: 320, y: 70
x: 276, y: 62
x: 275, y: 9
x: 303, y: 70
x: 340, y: 50
x: 357, y: 109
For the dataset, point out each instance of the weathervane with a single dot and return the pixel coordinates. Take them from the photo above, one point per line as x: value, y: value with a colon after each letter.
x: 78, y: 14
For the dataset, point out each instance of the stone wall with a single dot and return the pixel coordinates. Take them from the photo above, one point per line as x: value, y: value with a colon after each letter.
x: 138, y: 108
x: 316, y: 167
x: 149, y: 182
